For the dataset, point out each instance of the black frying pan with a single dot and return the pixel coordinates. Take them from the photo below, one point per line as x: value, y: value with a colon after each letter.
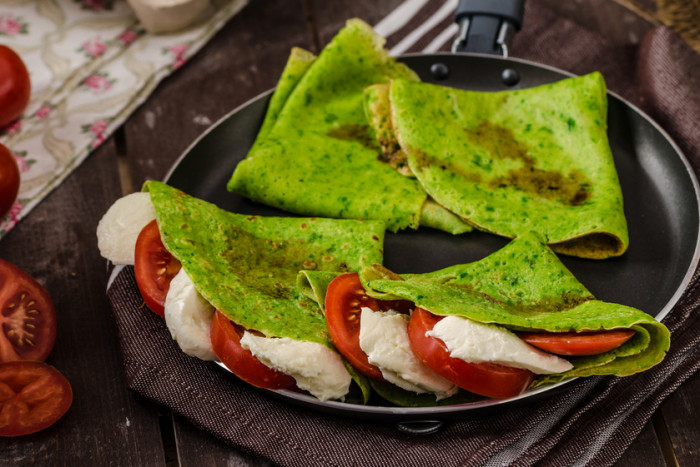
x: 660, y: 193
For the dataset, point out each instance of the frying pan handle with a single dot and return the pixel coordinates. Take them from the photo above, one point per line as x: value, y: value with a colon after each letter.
x: 487, y: 26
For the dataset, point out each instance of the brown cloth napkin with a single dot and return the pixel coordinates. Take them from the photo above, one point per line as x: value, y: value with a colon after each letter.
x: 591, y: 422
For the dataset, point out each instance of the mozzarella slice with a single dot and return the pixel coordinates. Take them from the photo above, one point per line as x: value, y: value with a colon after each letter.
x: 119, y: 228
x: 188, y: 317
x: 316, y: 368
x: 476, y: 342
x: 384, y: 338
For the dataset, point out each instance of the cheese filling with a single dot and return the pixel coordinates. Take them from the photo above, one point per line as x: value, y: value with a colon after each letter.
x: 476, y: 342
x: 316, y: 368
x: 384, y: 338
x: 188, y: 317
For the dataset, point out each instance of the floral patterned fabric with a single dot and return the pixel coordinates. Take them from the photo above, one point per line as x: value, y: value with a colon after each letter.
x: 91, y: 64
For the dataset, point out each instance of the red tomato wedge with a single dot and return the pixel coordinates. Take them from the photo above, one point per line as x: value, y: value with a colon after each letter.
x: 486, y: 379
x: 345, y: 298
x: 27, y: 316
x: 33, y: 396
x: 9, y: 180
x: 154, y: 268
x: 226, y: 341
x: 577, y: 343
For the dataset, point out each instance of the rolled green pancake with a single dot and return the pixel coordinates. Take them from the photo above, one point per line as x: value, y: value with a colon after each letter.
x: 524, y: 287
x: 318, y: 157
x: 246, y: 266
x: 515, y: 161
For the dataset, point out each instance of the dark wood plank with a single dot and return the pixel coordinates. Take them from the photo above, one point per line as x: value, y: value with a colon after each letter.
x: 681, y: 415
x: 645, y: 450
x: 197, y: 448
x: 56, y: 244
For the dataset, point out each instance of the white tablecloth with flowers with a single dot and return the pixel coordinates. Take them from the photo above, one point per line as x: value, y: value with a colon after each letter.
x: 91, y: 64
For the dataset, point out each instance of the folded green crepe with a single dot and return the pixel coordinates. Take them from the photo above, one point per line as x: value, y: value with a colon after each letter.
x: 524, y: 287
x: 510, y: 162
x: 246, y: 266
x: 315, y: 153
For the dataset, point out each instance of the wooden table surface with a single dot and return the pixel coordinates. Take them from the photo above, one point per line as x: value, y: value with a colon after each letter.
x: 110, y: 425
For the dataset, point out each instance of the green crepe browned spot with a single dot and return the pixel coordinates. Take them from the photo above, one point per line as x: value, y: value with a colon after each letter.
x: 246, y: 266
x: 524, y: 287
x: 317, y: 157
x: 514, y: 161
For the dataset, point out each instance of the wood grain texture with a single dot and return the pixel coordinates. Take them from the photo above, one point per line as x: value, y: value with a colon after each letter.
x: 107, y: 424
x: 681, y: 414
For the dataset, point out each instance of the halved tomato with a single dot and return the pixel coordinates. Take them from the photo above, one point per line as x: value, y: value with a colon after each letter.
x: 27, y: 316
x: 9, y: 180
x: 577, y: 343
x: 154, y: 268
x: 226, y: 342
x: 33, y: 396
x: 345, y: 298
x: 486, y: 379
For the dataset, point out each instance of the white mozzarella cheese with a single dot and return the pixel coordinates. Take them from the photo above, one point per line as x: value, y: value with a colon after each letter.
x: 384, y: 338
x: 316, y: 368
x: 188, y: 317
x: 476, y: 342
x: 119, y: 228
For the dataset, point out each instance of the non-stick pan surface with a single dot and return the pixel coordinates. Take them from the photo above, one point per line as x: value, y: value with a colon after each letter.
x: 659, y: 188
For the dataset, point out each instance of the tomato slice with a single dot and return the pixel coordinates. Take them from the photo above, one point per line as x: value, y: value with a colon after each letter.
x: 484, y: 378
x: 577, y: 343
x: 33, y: 395
x: 9, y: 180
x: 345, y: 298
x: 27, y: 316
x: 154, y: 268
x: 226, y: 341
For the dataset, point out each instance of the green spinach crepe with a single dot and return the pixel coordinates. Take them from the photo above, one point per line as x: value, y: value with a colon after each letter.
x: 524, y: 287
x: 246, y: 266
x: 510, y: 162
x: 315, y: 153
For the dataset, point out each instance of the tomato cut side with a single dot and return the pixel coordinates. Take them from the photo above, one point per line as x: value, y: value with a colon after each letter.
x: 27, y: 316
x: 154, y: 268
x: 15, y: 87
x: 577, y: 343
x: 486, y: 379
x: 9, y: 180
x: 345, y: 298
x: 226, y: 342
x: 33, y: 396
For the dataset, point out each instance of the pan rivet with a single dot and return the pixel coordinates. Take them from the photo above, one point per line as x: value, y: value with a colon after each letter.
x: 510, y: 77
x: 439, y: 71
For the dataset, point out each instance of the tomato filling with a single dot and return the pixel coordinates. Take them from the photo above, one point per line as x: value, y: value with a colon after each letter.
x: 345, y: 298
x: 226, y: 342
x: 154, y: 268
x: 578, y: 343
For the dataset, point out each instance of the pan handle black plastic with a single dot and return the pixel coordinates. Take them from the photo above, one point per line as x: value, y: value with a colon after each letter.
x: 487, y: 26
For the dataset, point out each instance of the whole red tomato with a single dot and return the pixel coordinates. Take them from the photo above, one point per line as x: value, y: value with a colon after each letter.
x: 15, y: 87
x: 9, y: 180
